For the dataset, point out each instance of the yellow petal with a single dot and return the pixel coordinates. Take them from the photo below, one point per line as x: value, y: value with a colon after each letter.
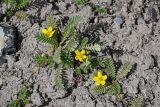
x: 76, y: 57
x: 83, y: 51
x: 50, y: 29
x: 44, y: 31
x: 102, y: 82
x: 99, y: 74
x: 104, y: 77
x: 77, y: 52
x: 80, y: 59
x: 95, y: 78
x: 51, y: 34
x: 84, y: 56
x: 98, y: 82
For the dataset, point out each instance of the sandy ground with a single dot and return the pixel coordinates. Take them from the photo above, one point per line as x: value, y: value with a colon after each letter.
x: 137, y: 39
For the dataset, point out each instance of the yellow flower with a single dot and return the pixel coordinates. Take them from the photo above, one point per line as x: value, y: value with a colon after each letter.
x: 80, y: 55
x: 48, y: 32
x: 100, y: 79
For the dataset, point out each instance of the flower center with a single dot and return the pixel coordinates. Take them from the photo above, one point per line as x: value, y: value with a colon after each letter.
x: 80, y: 55
x: 49, y: 32
x: 100, y: 79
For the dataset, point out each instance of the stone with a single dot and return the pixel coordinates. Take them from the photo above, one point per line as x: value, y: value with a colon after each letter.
x: 118, y: 20
x: 46, y: 10
x: 36, y: 99
x: 152, y: 13
x: 2, y: 60
x: 8, y: 39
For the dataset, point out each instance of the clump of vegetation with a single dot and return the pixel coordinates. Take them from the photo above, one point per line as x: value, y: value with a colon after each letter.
x: 14, y: 5
x: 99, y: 9
x: 21, y: 15
x: 71, y: 50
x: 80, y: 2
x: 68, y: 49
x: 137, y: 102
x: 22, y: 100
x: 107, y: 79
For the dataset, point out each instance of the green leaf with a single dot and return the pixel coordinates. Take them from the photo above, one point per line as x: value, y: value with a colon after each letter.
x: 57, y: 55
x: 59, y: 84
x: 41, y: 59
x: 80, y: 2
x: 123, y: 71
x: 100, y: 61
x: 72, y: 44
x: 26, y: 101
x: 45, y: 39
x: 99, y: 9
x: 137, y: 102
x: 16, y: 4
x: 22, y: 98
x: 84, y: 41
x: 66, y: 57
x: 95, y: 47
x: 9, y: 13
x: 85, y: 66
x: 21, y: 3
x: 51, y: 21
x: 99, y: 89
x: 69, y: 28
x: 110, y: 67
x: 23, y: 93
x: 78, y: 71
x: 114, y: 89
x: 13, y: 103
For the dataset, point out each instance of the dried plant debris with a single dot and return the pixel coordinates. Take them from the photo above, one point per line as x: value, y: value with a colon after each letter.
x: 137, y: 102
x: 21, y: 15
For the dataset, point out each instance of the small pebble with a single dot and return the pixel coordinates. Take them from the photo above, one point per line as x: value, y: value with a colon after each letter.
x: 118, y: 20
x: 152, y: 13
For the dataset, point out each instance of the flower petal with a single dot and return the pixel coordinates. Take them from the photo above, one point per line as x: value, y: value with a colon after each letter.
x: 44, y: 31
x: 77, y: 58
x: 80, y: 59
x: 99, y: 74
x: 50, y: 29
x: 83, y: 51
x: 104, y: 77
x: 51, y: 34
x: 102, y: 82
x: 84, y: 56
x: 98, y: 82
x: 77, y: 52
x: 95, y: 78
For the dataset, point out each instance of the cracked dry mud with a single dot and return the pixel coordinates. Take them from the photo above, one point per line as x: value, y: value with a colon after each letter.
x: 137, y: 39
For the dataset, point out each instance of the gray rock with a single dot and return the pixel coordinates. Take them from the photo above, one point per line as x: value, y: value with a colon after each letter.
x: 36, y: 99
x: 2, y: 60
x: 46, y: 10
x: 8, y: 39
x: 152, y: 13
x: 3, y: 8
x: 118, y: 20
